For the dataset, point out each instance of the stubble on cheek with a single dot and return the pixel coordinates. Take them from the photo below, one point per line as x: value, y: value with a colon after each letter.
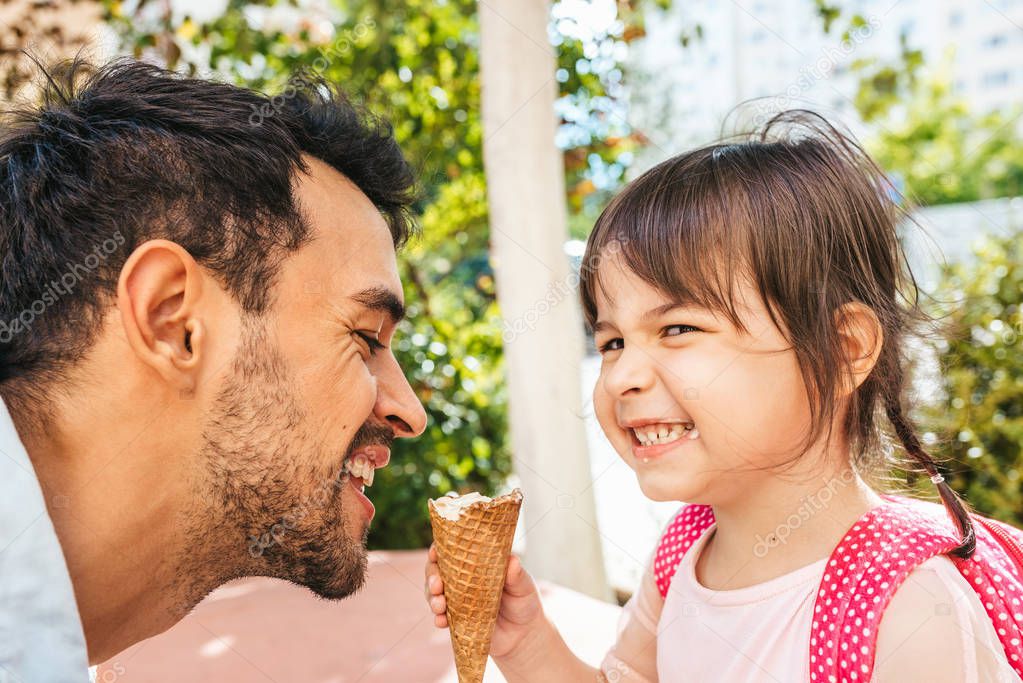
x: 273, y: 503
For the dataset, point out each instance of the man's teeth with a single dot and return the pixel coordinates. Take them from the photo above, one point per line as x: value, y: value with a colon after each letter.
x: 664, y: 432
x: 362, y: 467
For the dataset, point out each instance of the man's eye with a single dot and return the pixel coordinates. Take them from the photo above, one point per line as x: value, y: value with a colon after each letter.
x: 676, y: 330
x: 616, y: 344
x: 372, y: 342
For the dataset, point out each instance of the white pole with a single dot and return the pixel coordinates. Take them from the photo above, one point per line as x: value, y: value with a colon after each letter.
x: 537, y: 294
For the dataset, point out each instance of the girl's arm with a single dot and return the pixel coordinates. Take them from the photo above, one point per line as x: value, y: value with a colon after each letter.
x: 936, y: 629
x: 633, y: 659
x: 544, y: 657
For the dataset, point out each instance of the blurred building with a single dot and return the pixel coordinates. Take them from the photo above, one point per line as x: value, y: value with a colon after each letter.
x: 777, y: 49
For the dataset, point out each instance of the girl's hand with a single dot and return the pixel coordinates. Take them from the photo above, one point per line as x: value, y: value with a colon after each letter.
x: 520, y: 614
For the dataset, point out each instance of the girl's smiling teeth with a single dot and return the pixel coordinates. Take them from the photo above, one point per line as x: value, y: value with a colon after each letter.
x: 664, y: 432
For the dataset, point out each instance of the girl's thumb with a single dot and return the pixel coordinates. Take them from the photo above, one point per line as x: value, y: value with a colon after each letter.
x: 518, y: 582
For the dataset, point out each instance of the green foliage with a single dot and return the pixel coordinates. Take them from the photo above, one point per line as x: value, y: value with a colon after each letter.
x: 882, y: 85
x: 941, y: 152
x: 417, y: 63
x: 978, y: 424
x: 927, y: 139
x: 450, y: 347
x: 827, y: 13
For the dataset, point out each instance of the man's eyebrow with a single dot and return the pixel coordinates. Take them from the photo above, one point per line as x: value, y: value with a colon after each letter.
x: 381, y: 299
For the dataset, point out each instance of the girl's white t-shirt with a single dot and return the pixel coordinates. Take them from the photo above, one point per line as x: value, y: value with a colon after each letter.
x: 761, y: 633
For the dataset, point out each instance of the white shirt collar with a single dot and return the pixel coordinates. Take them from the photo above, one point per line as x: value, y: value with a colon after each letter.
x: 41, y: 636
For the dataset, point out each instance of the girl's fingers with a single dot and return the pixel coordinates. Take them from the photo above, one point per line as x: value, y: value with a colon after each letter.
x: 438, y: 605
x: 440, y: 621
x: 433, y: 585
x: 518, y: 583
x: 433, y: 553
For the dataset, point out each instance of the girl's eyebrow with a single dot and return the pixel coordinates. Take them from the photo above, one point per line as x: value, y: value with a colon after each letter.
x: 652, y: 314
x: 662, y: 309
x: 600, y: 326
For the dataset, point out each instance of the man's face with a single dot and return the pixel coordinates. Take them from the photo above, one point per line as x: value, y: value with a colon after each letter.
x: 313, y: 384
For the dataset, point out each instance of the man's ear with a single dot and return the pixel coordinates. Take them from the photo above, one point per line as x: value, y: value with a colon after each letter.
x: 157, y: 292
x: 861, y: 337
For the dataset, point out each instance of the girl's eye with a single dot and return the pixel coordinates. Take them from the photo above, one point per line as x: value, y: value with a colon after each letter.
x: 676, y: 330
x: 615, y: 344
x: 372, y: 342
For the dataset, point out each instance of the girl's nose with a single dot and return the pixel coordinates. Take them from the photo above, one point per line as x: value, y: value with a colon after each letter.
x: 631, y: 373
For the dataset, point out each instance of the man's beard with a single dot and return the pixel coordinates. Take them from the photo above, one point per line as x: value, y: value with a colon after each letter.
x: 272, y: 499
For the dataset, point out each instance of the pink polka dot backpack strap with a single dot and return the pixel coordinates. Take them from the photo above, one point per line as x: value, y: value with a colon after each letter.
x: 684, y: 529
x: 872, y: 561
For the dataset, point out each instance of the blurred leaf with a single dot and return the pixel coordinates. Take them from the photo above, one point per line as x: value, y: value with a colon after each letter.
x: 828, y: 13
x: 939, y: 152
x: 977, y: 424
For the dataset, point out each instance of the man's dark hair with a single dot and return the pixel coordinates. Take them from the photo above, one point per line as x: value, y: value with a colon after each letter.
x: 115, y: 155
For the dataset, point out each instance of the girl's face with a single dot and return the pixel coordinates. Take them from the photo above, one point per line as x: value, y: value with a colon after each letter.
x: 697, y: 408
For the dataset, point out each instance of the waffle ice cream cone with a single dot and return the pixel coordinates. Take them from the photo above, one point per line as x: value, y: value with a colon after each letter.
x: 473, y: 535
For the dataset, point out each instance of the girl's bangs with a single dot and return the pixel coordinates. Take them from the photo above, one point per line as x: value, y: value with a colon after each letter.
x: 679, y: 230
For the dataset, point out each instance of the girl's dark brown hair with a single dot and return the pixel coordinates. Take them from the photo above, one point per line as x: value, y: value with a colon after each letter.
x: 802, y: 212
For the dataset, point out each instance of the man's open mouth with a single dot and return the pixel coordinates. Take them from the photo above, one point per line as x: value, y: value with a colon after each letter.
x: 361, y: 464
x: 360, y: 467
x: 370, y: 450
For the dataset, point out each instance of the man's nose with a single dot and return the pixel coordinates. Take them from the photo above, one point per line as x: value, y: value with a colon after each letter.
x: 398, y: 404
